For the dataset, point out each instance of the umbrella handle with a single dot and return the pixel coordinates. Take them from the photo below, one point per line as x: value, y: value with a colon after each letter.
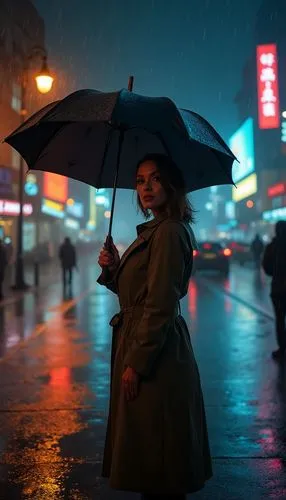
x: 106, y: 274
x: 108, y: 242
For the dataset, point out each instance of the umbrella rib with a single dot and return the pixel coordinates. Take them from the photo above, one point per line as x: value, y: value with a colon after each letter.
x: 164, y: 144
x: 214, y: 131
x: 99, y: 178
x: 157, y: 134
x: 222, y: 166
x: 43, y: 153
x: 212, y: 150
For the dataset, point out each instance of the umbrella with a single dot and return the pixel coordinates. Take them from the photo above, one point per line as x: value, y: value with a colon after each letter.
x: 98, y: 138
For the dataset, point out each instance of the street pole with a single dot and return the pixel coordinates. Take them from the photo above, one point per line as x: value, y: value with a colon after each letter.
x: 44, y: 84
x: 19, y: 268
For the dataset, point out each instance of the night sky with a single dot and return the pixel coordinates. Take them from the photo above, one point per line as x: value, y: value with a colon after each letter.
x: 190, y: 50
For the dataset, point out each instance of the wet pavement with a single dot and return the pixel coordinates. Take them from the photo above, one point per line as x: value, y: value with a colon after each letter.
x: 54, y: 379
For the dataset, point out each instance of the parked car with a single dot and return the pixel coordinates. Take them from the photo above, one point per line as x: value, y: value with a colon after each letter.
x: 212, y: 256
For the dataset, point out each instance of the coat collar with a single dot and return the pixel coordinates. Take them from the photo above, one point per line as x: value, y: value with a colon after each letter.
x: 144, y: 232
x: 150, y: 224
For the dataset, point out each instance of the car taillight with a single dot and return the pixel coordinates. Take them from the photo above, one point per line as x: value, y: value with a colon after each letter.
x: 227, y: 252
x: 195, y: 253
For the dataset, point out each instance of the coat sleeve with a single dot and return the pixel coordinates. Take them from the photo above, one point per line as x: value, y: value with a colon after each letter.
x: 110, y: 283
x: 165, y: 278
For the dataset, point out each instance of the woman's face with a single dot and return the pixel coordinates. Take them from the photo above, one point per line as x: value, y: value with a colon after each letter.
x: 149, y: 188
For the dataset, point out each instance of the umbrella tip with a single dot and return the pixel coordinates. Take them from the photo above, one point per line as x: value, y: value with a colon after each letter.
x: 130, y: 83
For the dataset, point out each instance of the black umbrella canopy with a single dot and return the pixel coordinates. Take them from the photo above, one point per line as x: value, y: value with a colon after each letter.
x: 78, y: 137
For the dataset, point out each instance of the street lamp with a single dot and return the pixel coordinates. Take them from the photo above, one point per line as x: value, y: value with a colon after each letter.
x: 44, y: 82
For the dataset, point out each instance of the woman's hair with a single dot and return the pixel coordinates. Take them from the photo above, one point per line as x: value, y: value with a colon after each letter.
x: 173, y: 183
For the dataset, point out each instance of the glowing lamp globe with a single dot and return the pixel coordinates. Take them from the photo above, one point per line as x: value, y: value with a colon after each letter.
x: 44, y: 83
x: 44, y: 80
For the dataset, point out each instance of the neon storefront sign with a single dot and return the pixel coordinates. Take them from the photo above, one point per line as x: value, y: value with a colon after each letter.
x: 245, y: 188
x: 53, y: 208
x: 242, y: 145
x: 8, y: 207
x: 267, y: 87
x: 276, y: 190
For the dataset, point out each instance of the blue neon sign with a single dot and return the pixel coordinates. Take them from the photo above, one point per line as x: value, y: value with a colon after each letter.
x: 242, y: 145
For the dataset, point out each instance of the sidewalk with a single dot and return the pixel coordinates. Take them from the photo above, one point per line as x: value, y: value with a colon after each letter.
x: 23, y: 313
x: 247, y: 285
x: 251, y: 286
x: 49, y: 273
x: 54, y: 396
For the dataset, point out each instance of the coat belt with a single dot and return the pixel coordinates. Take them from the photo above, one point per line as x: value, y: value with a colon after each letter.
x: 134, y: 311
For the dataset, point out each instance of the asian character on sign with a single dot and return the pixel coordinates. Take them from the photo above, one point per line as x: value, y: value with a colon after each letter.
x: 267, y: 59
x: 268, y: 94
x: 267, y: 74
x: 269, y: 109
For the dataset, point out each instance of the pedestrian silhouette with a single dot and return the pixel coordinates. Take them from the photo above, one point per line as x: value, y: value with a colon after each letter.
x: 67, y: 255
x: 274, y: 265
x: 257, y: 248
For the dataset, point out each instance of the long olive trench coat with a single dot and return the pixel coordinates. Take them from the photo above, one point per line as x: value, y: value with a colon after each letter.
x: 157, y: 443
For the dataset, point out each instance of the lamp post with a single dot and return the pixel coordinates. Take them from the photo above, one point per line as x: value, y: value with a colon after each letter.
x: 44, y: 83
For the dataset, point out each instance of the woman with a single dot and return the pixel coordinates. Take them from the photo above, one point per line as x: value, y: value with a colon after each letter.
x: 274, y: 264
x: 156, y: 441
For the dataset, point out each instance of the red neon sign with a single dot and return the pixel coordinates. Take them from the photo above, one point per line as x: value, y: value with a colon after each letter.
x: 55, y: 187
x: 276, y: 189
x: 267, y: 87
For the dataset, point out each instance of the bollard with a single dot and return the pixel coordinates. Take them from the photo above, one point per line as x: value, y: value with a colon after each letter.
x: 36, y: 273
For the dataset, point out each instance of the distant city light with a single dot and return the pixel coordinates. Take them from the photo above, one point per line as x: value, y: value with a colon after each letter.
x: 274, y: 215
x: 107, y: 214
x: 283, y: 129
x: 209, y: 206
x: 250, y: 204
x: 284, y: 114
x: 101, y: 200
x: 71, y: 223
x: 91, y: 225
x: 230, y: 210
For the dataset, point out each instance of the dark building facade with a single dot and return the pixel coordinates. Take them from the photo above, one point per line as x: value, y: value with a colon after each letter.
x: 53, y: 208
x: 21, y: 29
